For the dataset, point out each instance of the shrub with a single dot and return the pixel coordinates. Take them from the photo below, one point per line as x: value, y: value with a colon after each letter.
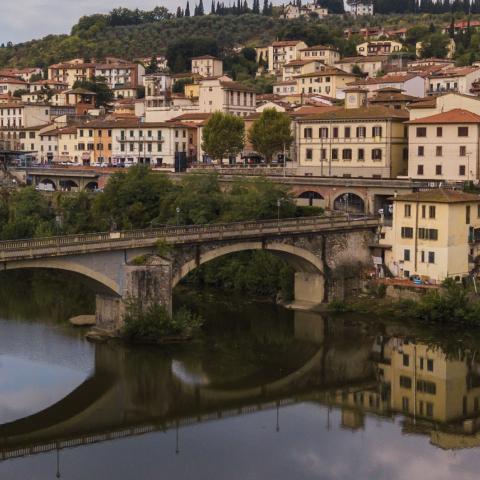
x: 153, y: 324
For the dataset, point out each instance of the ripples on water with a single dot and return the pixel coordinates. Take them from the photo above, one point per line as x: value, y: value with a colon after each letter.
x: 264, y: 393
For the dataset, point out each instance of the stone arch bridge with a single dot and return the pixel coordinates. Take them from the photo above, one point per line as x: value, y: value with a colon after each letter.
x: 327, y: 254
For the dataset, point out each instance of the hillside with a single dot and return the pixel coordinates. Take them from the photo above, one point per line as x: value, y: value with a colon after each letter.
x: 93, y: 36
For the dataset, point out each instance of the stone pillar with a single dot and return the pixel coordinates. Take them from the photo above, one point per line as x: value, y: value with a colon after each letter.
x: 150, y: 283
x: 309, y: 288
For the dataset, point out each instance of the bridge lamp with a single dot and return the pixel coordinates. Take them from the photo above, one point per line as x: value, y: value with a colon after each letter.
x: 279, y: 203
x: 178, y: 215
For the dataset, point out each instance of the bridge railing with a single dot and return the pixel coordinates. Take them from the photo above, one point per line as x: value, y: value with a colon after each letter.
x: 184, y: 233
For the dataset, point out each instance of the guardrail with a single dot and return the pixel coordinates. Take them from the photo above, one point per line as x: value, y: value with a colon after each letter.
x: 85, y: 243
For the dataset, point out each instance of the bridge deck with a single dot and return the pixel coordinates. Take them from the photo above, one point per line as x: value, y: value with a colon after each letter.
x: 12, y: 250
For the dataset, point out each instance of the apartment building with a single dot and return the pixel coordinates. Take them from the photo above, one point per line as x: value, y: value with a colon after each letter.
x: 21, y: 115
x: 361, y: 8
x: 294, y: 10
x: 67, y: 145
x: 207, y: 66
x: 325, y: 54
x: 158, y: 87
x: 378, y: 47
x: 9, y: 85
x: 434, y: 234
x: 454, y: 79
x: 71, y: 72
x: 288, y: 87
x: 300, y: 67
x: 154, y: 144
x: 281, y: 53
x: 120, y: 73
x: 329, y: 81
x: 217, y: 94
x: 370, y: 66
x: 411, y: 83
x: 353, y: 141
x: 445, y: 146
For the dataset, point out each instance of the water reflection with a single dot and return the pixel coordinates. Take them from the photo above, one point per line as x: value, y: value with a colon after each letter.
x: 265, y: 393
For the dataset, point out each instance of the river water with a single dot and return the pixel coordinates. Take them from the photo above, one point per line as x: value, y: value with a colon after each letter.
x: 263, y: 393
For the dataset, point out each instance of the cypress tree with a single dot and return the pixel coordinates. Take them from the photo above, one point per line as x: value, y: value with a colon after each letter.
x: 212, y: 9
x: 187, y: 10
x: 200, y: 10
x: 265, y: 7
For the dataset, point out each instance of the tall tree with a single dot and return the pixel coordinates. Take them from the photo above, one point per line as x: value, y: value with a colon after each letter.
x: 265, y: 7
x: 212, y: 9
x: 187, y: 9
x: 200, y: 10
x: 223, y: 136
x: 179, y: 12
x: 271, y: 133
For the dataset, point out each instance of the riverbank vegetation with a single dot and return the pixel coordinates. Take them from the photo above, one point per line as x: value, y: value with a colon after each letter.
x: 153, y: 324
x: 454, y: 305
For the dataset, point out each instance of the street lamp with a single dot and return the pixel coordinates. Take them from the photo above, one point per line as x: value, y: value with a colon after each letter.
x: 279, y: 203
x: 178, y: 215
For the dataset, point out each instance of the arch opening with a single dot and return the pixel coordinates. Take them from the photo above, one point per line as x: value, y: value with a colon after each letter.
x: 349, y: 202
x: 91, y: 186
x: 68, y: 185
x: 310, y: 198
x: 309, y: 281
x: 47, y: 184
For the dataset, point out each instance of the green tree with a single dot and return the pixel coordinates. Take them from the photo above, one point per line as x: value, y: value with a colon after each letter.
x: 271, y: 133
x: 223, y: 135
x: 97, y: 85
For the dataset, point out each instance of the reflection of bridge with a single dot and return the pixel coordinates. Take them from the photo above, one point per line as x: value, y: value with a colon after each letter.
x: 129, y: 394
x: 316, y: 247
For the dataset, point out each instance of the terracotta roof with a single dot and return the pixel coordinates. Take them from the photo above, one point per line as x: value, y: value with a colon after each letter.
x: 192, y: 116
x: 457, y: 115
x: 376, y: 112
x: 205, y: 57
x: 326, y: 71
x: 285, y: 82
x: 15, y: 81
x: 439, y: 195
x: 80, y: 91
x: 427, y: 103
x: 362, y: 59
x: 235, y: 86
x: 299, y: 63
x: 385, y: 79
x: 286, y: 43
x: 318, y: 47
x: 454, y: 72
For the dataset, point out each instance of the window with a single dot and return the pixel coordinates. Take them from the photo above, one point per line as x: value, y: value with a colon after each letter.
x: 420, y: 151
x: 308, y: 154
x: 461, y: 170
x: 407, y: 232
x: 335, y: 132
x: 407, y: 209
x: 438, y: 169
x: 426, y: 387
x: 428, y: 233
x: 376, y: 154
x: 432, y: 211
x: 307, y: 132
x: 361, y: 155
x: 376, y: 131
x: 463, y: 131
x: 424, y: 211
x: 406, y: 359
x: 422, y: 260
x: 467, y: 214
x: 429, y: 409
x: 405, y: 382
x: 431, y: 257
x: 361, y: 132
x: 323, y: 133
x: 323, y: 154
x: 347, y: 154
x: 334, y: 154
x: 421, y: 131
x: 438, y: 151
x: 430, y: 364
x: 462, y: 151
x: 439, y: 131
x: 406, y: 255
x: 419, y: 169
x: 405, y: 404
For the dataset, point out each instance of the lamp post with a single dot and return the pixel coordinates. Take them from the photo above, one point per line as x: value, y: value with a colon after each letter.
x: 279, y: 203
x: 178, y: 215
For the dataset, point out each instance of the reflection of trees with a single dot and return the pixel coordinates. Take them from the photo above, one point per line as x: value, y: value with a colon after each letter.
x: 49, y: 295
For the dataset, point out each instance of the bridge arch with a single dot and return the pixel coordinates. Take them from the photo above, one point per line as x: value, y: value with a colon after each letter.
x: 77, y: 267
x: 68, y: 185
x: 48, y: 181
x: 349, y: 201
x: 309, y: 268
x: 311, y: 198
x: 91, y: 186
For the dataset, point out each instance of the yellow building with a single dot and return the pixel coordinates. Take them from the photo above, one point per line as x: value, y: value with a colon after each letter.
x: 379, y: 47
x: 434, y: 234
x: 301, y: 67
x: 328, y: 81
x: 282, y: 52
x: 354, y: 140
x: 67, y: 145
x: 325, y: 54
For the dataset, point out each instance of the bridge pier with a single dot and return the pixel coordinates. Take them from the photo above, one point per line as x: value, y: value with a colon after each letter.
x: 309, y: 288
x: 147, y: 284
